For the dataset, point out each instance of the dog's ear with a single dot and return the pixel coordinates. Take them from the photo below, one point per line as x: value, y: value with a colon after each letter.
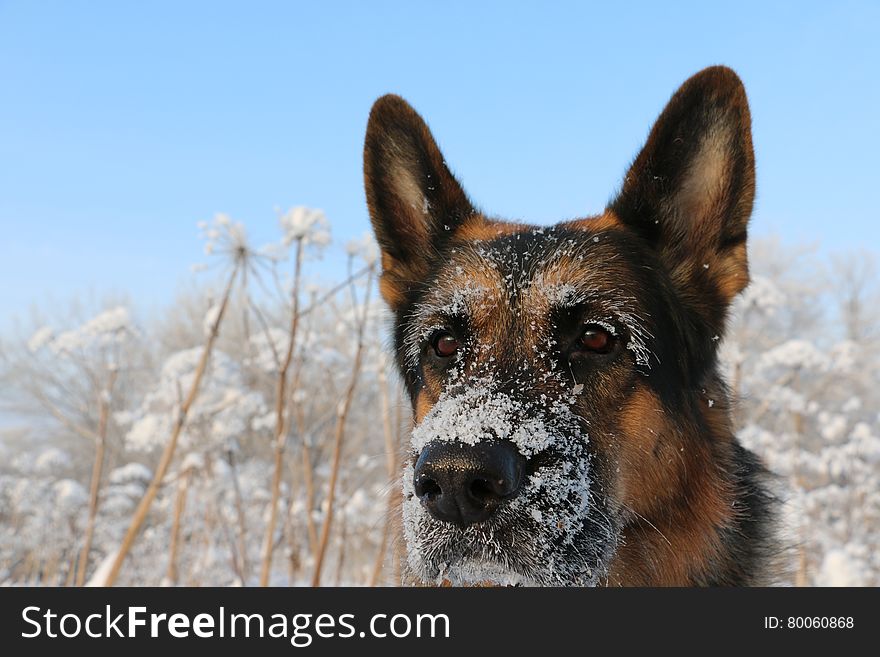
x: 415, y: 202
x: 689, y: 192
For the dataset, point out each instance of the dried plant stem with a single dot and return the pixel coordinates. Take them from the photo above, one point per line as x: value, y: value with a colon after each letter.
x: 214, y: 507
x: 240, y: 515
x: 309, y: 479
x: 396, y: 560
x: 282, y: 422
x: 383, y: 548
x: 97, y: 468
x: 29, y: 567
x: 391, y: 470
x: 71, y: 570
x: 179, y: 508
x: 211, y: 519
x: 298, y: 412
x: 59, y: 415
x: 318, y: 302
x: 49, y: 569
x: 140, y: 514
x: 341, y: 417
x: 340, y: 562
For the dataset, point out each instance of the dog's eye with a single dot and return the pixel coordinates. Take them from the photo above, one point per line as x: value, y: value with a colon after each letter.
x: 445, y: 344
x: 596, y: 339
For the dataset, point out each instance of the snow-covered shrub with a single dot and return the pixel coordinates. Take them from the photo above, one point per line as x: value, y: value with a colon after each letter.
x: 802, y: 353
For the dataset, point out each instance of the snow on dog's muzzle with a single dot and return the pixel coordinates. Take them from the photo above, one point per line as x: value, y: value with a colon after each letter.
x: 464, y: 484
x: 499, y: 491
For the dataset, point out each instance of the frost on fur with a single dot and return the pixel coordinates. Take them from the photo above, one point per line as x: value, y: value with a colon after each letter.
x: 551, y: 533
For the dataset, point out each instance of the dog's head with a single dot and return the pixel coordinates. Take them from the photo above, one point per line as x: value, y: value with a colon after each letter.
x: 557, y: 375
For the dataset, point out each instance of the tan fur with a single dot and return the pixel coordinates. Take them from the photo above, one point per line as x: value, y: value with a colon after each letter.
x: 605, y: 221
x: 669, y: 483
x: 480, y: 229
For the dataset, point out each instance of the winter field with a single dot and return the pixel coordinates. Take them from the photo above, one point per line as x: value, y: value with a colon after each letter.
x: 250, y: 433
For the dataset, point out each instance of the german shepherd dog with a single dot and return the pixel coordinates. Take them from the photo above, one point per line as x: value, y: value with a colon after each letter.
x: 571, y: 424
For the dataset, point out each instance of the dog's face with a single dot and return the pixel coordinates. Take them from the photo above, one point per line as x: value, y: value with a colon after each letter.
x: 558, y: 375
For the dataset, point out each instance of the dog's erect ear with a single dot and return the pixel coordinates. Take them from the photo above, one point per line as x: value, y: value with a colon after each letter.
x: 689, y: 192
x: 414, y: 200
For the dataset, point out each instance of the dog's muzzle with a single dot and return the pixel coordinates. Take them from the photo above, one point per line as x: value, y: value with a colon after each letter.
x: 464, y: 484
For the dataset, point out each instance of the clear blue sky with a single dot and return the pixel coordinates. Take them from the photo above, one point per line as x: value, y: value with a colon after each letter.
x: 124, y: 123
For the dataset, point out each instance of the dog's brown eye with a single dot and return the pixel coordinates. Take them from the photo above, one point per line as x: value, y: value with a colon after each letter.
x: 596, y: 339
x: 445, y: 344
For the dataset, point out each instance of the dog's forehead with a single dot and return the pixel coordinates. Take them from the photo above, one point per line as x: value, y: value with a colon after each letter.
x: 525, y: 274
x: 510, y: 289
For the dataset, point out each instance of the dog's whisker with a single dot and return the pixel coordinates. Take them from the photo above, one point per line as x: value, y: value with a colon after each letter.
x: 648, y: 522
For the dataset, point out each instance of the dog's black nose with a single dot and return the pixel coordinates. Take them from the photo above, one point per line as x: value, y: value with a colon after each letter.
x: 464, y: 484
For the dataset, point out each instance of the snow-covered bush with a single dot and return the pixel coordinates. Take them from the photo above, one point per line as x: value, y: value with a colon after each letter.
x: 802, y: 353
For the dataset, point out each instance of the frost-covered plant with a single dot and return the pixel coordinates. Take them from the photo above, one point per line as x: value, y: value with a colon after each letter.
x: 802, y: 351
x: 809, y: 406
x: 238, y: 255
x: 73, y: 375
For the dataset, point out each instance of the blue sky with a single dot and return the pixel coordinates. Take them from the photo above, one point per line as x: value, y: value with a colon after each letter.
x: 122, y: 124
